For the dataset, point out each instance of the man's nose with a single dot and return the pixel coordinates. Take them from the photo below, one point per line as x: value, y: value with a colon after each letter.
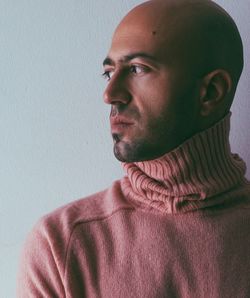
x: 117, y: 91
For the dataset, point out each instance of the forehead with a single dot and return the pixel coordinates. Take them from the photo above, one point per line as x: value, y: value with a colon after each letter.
x: 137, y: 38
x: 156, y: 30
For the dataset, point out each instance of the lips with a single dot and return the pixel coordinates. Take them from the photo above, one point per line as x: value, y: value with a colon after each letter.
x: 119, y: 123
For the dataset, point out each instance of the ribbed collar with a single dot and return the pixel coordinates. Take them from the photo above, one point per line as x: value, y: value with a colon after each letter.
x: 188, y: 177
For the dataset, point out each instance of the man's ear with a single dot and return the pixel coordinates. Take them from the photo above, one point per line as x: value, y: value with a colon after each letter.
x: 214, y: 89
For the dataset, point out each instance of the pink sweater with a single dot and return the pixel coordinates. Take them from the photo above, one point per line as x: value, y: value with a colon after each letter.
x: 178, y: 226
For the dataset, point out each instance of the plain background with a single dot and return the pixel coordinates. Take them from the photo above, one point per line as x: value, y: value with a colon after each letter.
x: 55, y: 141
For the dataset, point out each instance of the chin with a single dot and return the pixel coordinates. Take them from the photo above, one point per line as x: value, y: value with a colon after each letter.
x: 127, y: 151
x: 122, y: 157
x: 124, y: 151
x: 130, y: 155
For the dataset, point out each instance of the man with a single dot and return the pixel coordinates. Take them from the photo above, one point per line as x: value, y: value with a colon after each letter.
x: 177, y: 225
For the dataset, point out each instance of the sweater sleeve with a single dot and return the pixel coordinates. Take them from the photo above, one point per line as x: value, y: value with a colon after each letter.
x: 42, y: 264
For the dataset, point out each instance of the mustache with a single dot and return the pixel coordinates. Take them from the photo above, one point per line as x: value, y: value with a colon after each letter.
x: 124, y: 110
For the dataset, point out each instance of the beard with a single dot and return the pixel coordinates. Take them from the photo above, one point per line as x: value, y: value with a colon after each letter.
x: 127, y: 152
x: 140, y: 148
x: 153, y: 136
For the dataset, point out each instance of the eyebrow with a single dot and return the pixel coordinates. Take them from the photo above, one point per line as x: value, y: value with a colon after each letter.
x: 127, y: 58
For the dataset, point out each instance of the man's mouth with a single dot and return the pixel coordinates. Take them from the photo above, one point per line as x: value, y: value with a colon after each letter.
x: 119, y: 123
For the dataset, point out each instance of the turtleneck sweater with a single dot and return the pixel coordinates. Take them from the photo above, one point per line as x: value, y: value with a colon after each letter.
x: 197, y: 174
x: 176, y: 226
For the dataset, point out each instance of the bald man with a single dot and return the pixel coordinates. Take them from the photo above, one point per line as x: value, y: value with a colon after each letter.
x: 177, y: 224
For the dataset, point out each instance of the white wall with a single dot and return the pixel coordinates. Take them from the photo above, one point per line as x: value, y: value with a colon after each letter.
x: 55, y: 142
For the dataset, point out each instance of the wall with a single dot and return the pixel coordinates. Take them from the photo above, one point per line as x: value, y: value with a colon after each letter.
x: 55, y: 142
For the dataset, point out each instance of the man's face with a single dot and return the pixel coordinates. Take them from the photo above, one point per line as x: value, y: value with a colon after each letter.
x: 152, y: 94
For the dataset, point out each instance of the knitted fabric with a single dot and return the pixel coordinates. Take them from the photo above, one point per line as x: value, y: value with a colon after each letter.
x: 189, y: 177
x: 177, y: 226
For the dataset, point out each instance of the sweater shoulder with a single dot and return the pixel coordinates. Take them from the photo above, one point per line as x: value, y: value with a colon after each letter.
x: 42, y: 264
x: 94, y: 207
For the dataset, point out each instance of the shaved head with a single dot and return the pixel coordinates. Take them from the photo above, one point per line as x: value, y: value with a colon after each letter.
x: 172, y: 69
x: 203, y: 34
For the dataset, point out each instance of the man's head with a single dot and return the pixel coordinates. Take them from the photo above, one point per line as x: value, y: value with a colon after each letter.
x: 172, y: 71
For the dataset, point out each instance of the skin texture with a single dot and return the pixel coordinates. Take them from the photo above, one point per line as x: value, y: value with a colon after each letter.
x: 172, y: 71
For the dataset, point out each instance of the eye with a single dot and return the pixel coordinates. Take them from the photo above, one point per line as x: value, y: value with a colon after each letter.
x: 107, y: 75
x: 137, y: 69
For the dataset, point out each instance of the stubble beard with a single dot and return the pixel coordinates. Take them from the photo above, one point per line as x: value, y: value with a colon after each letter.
x: 122, y: 150
x: 134, y: 151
